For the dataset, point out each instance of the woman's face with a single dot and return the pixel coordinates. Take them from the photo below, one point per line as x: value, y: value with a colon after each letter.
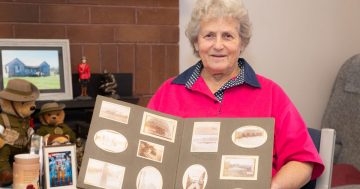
x: 219, y: 45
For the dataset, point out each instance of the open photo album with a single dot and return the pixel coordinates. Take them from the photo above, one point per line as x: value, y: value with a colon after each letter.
x: 129, y: 146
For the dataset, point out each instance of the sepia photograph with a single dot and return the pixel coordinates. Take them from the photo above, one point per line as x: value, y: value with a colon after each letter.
x: 249, y: 136
x: 205, y: 137
x: 195, y: 177
x: 239, y: 167
x: 115, y: 112
x: 149, y: 178
x: 151, y: 151
x: 104, y: 175
x: 110, y: 141
x: 158, y: 127
x: 60, y: 166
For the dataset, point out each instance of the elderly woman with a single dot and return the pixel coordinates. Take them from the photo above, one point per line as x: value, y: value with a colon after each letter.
x: 223, y: 85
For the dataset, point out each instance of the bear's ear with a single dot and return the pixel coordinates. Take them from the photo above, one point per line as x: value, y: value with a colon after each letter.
x: 62, y: 116
x: 42, y: 119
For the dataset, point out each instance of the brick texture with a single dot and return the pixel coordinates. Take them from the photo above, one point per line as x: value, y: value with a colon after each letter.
x: 6, y: 31
x: 39, y: 31
x: 75, y: 55
x: 139, y: 3
x: 93, y: 55
x: 157, y: 66
x: 112, y: 15
x: 19, y: 13
x: 158, y: 16
x: 126, y: 58
x: 109, y: 58
x: 64, y: 14
x: 147, y: 34
x: 142, y: 69
x: 172, y: 61
x: 122, y: 36
x: 91, y: 34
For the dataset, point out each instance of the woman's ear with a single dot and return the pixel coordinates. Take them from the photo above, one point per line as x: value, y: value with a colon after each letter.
x: 196, y: 45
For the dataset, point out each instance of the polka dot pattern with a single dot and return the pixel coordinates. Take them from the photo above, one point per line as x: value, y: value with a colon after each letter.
x: 239, y: 79
x: 195, y: 75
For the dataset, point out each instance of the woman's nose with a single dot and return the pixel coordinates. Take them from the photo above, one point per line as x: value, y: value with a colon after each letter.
x: 219, y: 43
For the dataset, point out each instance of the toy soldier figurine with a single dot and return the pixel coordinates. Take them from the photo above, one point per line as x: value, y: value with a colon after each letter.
x: 109, y: 85
x: 84, y: 76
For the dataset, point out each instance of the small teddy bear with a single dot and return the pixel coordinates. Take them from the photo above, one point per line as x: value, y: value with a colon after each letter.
x: 17, y: 103
x: 52, y: 126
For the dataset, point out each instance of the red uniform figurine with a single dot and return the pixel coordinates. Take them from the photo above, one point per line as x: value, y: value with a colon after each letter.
x: 84, y: 75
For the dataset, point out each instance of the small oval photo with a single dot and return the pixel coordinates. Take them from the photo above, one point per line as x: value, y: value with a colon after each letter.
x: 195, y: 176
x: 249, y: 136
x: 149, y: 177
x: 110, y: 141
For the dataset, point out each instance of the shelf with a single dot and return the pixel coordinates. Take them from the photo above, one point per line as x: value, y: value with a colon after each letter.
x: 86, y: 104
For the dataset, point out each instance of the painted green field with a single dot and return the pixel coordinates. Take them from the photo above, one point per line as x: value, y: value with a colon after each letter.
x: 49, y: 82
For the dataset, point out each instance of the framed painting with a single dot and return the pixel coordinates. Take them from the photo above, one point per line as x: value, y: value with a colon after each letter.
x: 43, y: 62
x: 60, y: 167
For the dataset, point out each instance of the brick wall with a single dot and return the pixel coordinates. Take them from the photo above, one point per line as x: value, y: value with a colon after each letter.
x: 122, y: 36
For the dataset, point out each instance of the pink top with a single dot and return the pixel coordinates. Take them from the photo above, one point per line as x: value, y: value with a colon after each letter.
x: 291, y: 140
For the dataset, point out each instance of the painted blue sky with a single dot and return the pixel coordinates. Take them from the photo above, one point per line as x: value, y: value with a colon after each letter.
x: 32, y: 57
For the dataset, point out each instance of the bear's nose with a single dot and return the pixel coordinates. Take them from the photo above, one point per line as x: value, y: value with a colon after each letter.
x: 32, y: 108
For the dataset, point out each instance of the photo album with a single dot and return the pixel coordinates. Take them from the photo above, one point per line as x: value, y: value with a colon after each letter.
x: 129, y: 146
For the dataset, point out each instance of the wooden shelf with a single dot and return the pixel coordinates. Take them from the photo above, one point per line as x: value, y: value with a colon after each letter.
x: 86, y: 104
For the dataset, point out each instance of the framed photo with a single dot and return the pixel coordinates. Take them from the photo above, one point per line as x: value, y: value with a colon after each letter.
x: 60, y: 167
x: 43, y: 62
x: 239, y: 167
x: 103, y: 174
x: 158, y: 127
x: 115, y: 112
x: 205, y: 137
x: 150, y: 151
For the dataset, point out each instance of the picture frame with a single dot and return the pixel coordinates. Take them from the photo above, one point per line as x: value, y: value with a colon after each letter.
x: 158, y: 127
x: 60, y: 167
x: 43, y: 62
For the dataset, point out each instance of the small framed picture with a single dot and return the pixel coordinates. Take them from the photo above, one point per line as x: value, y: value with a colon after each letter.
x: 239, y: 167
x: 115, y: 112
x: 150, y: 151
x: 60, y: 167
x: 102, y: 174
x: 205, y: 137
x: 158, y: 127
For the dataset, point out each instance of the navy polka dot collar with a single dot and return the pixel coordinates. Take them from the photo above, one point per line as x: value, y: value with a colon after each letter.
x: 246, y: 75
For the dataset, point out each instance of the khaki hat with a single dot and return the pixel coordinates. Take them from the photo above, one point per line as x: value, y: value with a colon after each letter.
x: 51, y: 106
x: 83, y: 58
x: 20, y: 90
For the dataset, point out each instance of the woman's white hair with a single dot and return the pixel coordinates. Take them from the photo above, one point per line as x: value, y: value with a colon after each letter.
x: 207, y: 9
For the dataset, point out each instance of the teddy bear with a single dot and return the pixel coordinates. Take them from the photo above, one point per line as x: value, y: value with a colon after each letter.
x: 52, y: 127
x: 17, y: 102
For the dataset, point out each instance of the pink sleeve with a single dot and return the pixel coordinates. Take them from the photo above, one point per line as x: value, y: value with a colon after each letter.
x: 293, y: 142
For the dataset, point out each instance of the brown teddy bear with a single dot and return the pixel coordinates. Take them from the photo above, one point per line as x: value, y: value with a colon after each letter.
x: 17, y: 102
x: 52, y: 126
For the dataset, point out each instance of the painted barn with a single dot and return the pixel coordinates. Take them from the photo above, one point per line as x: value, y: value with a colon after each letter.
x: 16, y: 68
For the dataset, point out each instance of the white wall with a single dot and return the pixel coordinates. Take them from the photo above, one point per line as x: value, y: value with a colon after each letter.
x: 298, y: 44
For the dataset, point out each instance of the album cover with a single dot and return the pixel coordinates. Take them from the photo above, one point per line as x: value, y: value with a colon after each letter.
x: 129, y: 146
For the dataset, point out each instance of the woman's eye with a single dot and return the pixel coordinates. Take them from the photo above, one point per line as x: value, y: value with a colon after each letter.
x: 209, y: 36
x: 228, y: 36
